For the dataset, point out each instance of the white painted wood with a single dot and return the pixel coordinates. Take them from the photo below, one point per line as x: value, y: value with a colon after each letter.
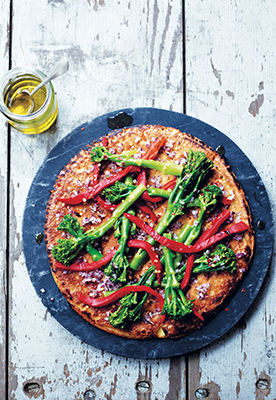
x: 4, y: 56
x: 121, y: 54
x: 230, y: 78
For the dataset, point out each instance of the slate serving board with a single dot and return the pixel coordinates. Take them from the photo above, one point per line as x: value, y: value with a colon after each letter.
x: 37, y: 259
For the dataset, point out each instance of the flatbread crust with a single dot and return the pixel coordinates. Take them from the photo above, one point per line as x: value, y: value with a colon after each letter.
x: 209, y: 290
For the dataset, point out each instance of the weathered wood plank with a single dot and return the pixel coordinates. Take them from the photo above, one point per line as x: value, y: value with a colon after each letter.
x: 121, y: 54
x: 230, y: 67
x: 4, y: 49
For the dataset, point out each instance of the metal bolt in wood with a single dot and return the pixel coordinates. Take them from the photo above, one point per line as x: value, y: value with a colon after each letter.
x: 31, y: 388
x: 89, y: 395
x: 262, y: 384
x: 143, y: 386
x: 201, y: 393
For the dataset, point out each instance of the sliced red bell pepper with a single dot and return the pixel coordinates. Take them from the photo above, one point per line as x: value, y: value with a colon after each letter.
x: 146, y: 210
x: 105, y: 141
x: 104, y: 204
x: 181, y: 247
x: 142, y: 244
x: 188, y: 271
x: 89, y: 194
x: 96, y: 171
x: 169, y: 185
x: 153, y: 150
x: 118, y: 294
x: 198, y: 315
x: 142, y: 178
x: 218, y: 221
x: 85, y: 266
x: 222, y: 217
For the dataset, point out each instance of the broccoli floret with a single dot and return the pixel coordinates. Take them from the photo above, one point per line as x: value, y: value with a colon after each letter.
x: 222, y: 258
x: 194, y: 172
x: 175, y: 305
x: 67, y: 249
x: 131, y: 305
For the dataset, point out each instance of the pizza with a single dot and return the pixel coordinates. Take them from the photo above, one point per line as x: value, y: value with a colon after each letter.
x: 148, y: 232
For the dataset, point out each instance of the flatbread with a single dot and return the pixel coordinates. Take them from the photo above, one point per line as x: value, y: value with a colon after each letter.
x: 208, y: 291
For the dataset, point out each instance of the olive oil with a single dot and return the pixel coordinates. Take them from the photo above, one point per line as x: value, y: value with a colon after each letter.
x: 19, y: 100
x: 27, y: 114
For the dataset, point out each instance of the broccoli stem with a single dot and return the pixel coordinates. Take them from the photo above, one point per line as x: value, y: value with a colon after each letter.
x: 117, y: 268
x: 123, y: 207
x: 130, y: 309
x: 95, y: 254
x: 120, y: 190
x: 175, y: 305
x: 166, y: 168
x: 99, y: 153
x: 67, y: 249
x: 175, y: 200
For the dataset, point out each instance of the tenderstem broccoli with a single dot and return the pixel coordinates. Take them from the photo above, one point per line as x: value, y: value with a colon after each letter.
x: 206, y: 201
x: 117, y: 268
x: 194, y: 172
x: 175, y: 305
x: 100, y: 153
x: 222, y: 258
x: 121, y: 190
x: 130, y: 309
x: 67, y: 249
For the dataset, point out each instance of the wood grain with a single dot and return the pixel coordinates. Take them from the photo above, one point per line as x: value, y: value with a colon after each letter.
x: 121, y: 54
x: 230, y: 85
x: 4, y: 133
x: 131, y: 54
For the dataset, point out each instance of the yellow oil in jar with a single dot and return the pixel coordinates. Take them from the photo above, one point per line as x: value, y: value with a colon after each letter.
x: 19, y: 100
x: 15, y: 102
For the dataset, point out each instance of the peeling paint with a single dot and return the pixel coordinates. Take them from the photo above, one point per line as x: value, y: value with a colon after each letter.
x: 230, y: 94
x: 255, y: 105
x: 216, y: 72
x: 175, y: 379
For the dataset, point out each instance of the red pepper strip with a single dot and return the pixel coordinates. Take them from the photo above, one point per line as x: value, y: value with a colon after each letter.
x: 239, y: 227
x: 105, y: 205
x: 169, y: 185
x: 142, y: 178
x: 118, y: 294
x: 142, y: 244
x: 222, y: 217
x: 154, y: 148
x: 145, y: 209
x: 188, y: 272
x: 181, y: 247
x: 198, y: 315
x: 105, y: 142
x: 85, y: 266
x: 89, y: 194
x: 225, y: 201
x: 96, y: 171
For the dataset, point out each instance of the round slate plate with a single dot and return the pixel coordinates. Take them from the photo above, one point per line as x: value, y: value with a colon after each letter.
x: 37, y: 259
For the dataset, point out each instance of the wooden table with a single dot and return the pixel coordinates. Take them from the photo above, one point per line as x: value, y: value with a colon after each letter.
x: 214, y: 60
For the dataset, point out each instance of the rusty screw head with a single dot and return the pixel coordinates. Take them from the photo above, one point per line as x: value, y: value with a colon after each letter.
x: 31, y: 387
x: 262, y: 384
x: 201, y: 393
x: 89, y: 395
x: 142, y: 386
